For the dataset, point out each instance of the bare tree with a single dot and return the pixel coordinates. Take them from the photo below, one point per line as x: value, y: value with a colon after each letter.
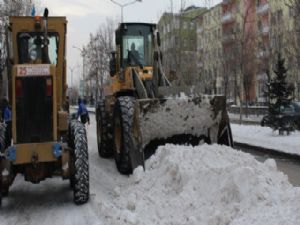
x: 245, y: 42
x: 179, y: 48
x: 9, y: 8
x: 292, y: 44
x: 98, y: 51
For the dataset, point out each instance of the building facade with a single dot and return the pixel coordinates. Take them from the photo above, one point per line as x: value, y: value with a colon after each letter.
x: 237, y: 45
x: 179, y: 44
x: 210, y: 50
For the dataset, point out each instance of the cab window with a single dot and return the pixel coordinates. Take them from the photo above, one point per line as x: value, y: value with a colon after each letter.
x: 35, y: 48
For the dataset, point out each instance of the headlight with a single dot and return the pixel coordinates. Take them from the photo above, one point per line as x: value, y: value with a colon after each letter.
x: 33, y: 54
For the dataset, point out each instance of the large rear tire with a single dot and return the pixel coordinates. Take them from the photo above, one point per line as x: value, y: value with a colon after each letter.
x: 2, y: 137
x: 80, y: 180
x: 104, y: 135
x: 128, y: 150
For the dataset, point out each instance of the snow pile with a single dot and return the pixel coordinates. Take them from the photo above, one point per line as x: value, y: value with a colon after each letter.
x: 267, y: 138
x: 212, y: 185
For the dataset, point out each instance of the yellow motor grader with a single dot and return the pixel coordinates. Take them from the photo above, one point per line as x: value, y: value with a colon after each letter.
x: 46, y: 141
x: 144, y: 108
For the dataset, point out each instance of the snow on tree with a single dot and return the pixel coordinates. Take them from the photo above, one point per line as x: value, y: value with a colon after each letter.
x: 280, y: 97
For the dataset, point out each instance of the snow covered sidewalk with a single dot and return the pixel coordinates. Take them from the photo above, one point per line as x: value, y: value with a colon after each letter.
x: 265, y: 137
x: 206, y: 185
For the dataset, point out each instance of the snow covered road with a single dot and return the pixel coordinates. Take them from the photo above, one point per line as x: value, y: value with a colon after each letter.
x: 51, y: 201
x: 182, y: 185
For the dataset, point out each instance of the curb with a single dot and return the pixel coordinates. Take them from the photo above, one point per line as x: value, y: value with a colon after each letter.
x: 244, y: 122
x: 266, y: 150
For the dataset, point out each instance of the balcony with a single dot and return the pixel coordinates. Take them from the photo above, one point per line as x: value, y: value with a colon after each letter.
x: 264, y: 30
x: 262, y: 54
x: 262, y: 9
x: 228, y: 18
x: 199, y: 30
x: 200, y: 47
x: 225, y: 2
x: 200, y: 64
x: 228, y: 38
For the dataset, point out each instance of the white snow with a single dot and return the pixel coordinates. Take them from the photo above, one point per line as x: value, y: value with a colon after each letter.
x: 213, y: 185
x: 266, y: 137
x: 203, y: 185
x: 178, y: 116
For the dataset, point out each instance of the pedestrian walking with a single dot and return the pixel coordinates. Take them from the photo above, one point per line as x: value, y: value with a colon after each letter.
x: 82, y: 112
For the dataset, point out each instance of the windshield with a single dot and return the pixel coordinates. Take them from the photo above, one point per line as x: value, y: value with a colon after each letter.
x: 137, y: 46
x: 35, y: 48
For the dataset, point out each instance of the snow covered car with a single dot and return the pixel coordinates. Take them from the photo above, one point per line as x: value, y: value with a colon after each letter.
x: 289, y: 114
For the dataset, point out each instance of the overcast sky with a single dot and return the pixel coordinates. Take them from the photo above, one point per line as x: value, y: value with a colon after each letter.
x: 85, y: 16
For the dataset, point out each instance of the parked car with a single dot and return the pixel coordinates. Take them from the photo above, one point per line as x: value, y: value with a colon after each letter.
x: 289, y: 114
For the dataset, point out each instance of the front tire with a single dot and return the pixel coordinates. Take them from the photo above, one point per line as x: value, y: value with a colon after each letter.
x: 80, y: 179
x: 128, y: 150
x: 104, y: 136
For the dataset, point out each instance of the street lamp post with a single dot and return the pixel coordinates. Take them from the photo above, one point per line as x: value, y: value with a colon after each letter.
x: 83, y: 53
x: 122, y: 6
x: 72, y: 68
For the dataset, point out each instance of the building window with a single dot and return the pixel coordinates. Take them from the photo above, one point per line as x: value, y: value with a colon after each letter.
x: 258, y: 3
x: 279, y: 16
x: 259, y: 26
x: 291, y: 11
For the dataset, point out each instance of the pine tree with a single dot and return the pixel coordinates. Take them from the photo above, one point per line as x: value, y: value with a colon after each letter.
x: 280, y: 96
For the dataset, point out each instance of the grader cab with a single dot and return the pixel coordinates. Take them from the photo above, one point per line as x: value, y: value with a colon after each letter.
x: 45, y: 140
x: 144, y: 108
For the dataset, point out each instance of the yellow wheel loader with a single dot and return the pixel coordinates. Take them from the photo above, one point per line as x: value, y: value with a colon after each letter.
x: 144, y: 108
x: 46, y: 141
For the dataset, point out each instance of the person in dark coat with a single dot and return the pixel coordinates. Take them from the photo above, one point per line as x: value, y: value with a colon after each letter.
x: 82, y: 112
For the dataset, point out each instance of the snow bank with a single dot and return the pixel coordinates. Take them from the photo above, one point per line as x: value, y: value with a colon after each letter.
x: 212, y: 185
x: 267, y: 138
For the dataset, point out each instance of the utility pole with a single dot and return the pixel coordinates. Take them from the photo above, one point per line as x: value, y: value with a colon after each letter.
x: 83, y: 53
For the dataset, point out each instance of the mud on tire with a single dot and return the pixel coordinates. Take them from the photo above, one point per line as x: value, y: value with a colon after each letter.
x: 104, y: 134
x: 80, y: 180
x: 128, y: 151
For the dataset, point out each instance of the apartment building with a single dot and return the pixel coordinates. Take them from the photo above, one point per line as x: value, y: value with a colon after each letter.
x: 179, y: 44
x: 276, y: 33
x: 238, y: 42
x: 210, y: 59
x: 237, y: 45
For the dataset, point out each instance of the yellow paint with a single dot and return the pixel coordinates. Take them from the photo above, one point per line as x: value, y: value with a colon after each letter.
x: 26, y: 151
x: 57, y: 72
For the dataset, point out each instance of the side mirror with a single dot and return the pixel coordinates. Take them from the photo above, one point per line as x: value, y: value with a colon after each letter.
x: 113, y: 64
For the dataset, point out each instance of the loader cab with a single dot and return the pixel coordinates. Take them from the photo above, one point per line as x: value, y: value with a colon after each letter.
x: 135, y: 43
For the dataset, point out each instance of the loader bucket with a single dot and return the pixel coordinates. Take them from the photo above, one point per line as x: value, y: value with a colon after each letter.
x: 182, y: 119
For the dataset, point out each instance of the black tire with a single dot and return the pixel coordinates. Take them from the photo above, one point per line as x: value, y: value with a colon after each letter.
x: 2, y: 148
x: 1, y: 189
x: 0, y: 182
x: 2, y: 137
x: 80, y: 180
x: 128, y: 150
x: 104, y: 134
